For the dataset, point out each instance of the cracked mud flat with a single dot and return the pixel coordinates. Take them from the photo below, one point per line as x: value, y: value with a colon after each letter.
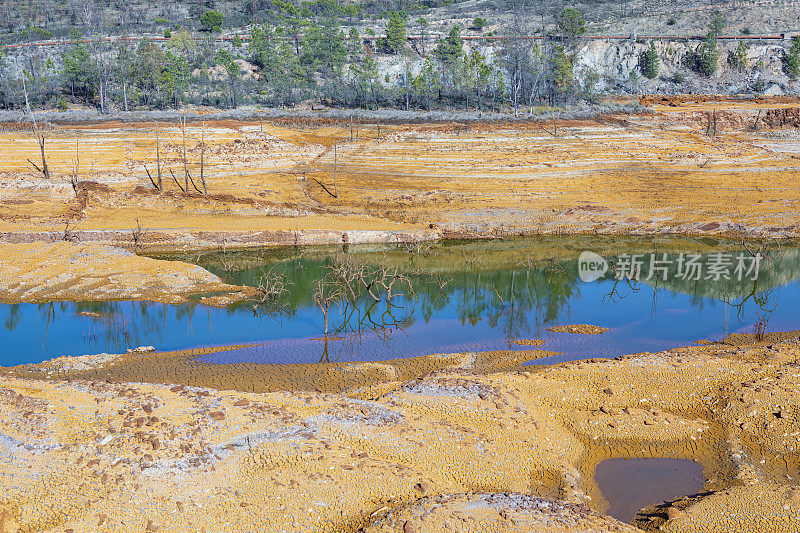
x: 39, y: 272
x: 655, y: 173
x: 506, y: 451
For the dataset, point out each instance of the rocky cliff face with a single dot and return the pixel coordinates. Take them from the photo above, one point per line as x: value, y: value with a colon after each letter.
x: 614, y: 61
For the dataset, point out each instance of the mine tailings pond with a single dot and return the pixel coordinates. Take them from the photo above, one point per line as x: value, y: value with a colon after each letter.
x: 450, y: 296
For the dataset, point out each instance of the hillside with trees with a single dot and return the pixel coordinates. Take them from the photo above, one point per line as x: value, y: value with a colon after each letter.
x: 501, y: 57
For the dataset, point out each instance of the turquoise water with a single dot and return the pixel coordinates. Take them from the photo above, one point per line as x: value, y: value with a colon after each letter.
x: 463, y: 296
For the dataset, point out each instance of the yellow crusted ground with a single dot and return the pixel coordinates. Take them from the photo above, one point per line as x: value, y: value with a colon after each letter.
x: 40, y: 271
x: 124, y: 455
x: 495, y: 513
x: 656, y: 173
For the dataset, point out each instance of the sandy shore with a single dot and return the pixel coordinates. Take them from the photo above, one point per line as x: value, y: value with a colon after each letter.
x: 509, y: 449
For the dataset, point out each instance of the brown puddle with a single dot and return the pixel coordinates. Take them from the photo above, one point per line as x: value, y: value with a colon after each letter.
x: 629, y: 485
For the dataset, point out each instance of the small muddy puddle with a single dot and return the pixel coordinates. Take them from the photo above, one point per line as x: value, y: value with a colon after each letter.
x: 629, y: 485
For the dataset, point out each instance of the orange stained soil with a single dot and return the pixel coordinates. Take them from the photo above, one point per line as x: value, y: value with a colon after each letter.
x: 665, y: 171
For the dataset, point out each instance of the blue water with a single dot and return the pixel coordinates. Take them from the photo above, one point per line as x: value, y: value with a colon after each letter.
x: 484, y: 309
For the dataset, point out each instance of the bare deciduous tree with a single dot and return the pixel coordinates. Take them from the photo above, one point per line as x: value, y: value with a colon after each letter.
x: 202, y: 157
x: 158, y: 159
x: 157, y: 184
x: 75, y: 165
x: 40, y: 137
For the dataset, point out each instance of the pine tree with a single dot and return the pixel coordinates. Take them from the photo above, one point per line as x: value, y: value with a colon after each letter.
x: 562, y: 77
x: 571, y: 26
x: 451, y: 48
x: 792, y: 62
x: 211, y: 21
x: 395, y: 33
x: 79, y: 70
x: 651, y: 62
x: 706, y: 56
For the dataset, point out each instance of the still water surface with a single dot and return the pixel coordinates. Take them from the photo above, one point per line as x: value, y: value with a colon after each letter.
x: 464, y: 296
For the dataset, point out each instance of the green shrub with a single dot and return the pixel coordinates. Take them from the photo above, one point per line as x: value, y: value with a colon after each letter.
x: 211, y: 21
x: 61, y: 104
x: 167, y: 33
x: 738, y: 58
x: 671, y: 21
x: 478, y: 24
x: 633, y: 78
x: 791, y: 63
x: 678, y: 78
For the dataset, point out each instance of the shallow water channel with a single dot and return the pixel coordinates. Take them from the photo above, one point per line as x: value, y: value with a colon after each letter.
x: 460, y: 296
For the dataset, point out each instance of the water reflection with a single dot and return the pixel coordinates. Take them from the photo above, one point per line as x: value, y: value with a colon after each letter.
x: 396, y: 302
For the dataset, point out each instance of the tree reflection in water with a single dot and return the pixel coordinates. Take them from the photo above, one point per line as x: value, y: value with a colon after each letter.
x: 381, y: 294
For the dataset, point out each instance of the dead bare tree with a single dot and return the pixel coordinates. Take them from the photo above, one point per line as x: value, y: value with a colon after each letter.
x: 185, y: 165
x: 138, y: 232
x: 69, y: 234
x: 334, y: 192
x: 155, y: 185
x: 202, y: 157
x: 40, y: 138
x: 158, y: 160
x: 325, y: 295
x: 348, y: 281
x: 418, y: 248
x: 711, y: 128
x: 75, y: 165
x: 335, y: 188
x: 382, y: 279
x: 272, y: 287
x: 176, y: 180
x: 187, y: 177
